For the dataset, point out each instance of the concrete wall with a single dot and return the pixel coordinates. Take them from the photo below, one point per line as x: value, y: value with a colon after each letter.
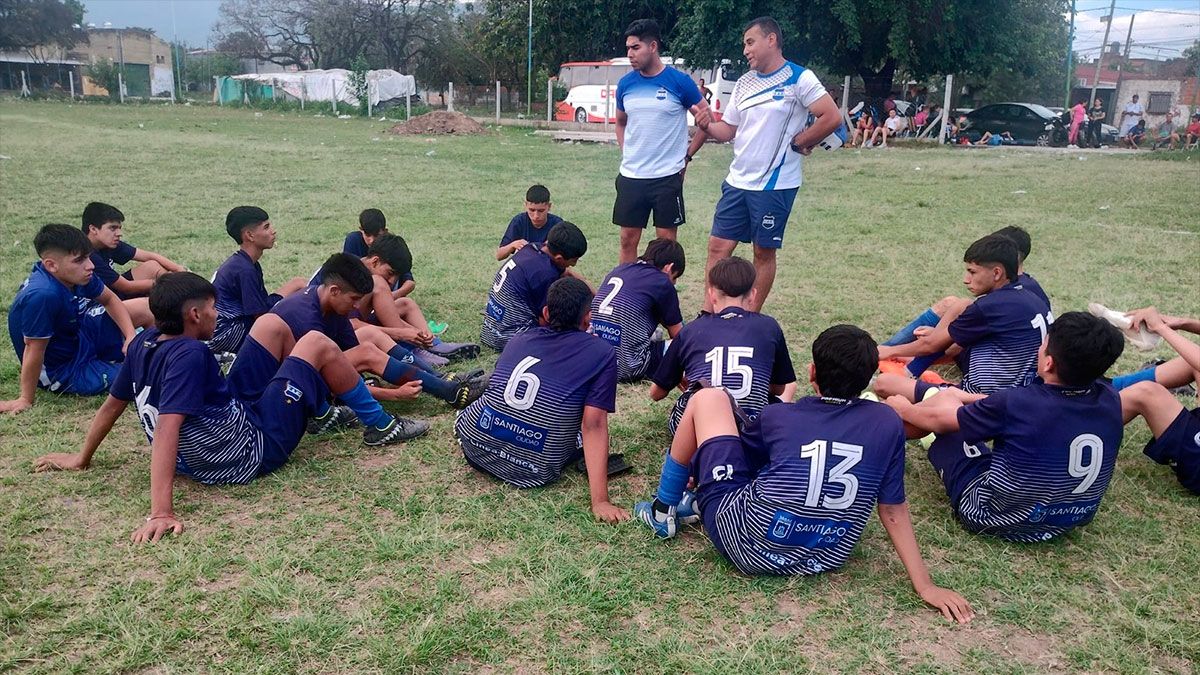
x: 1177, y: 88
x: 134, y: 46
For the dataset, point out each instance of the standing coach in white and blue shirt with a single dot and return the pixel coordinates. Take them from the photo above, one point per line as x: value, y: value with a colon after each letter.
x: 766, y: 120
x: 653, y: 101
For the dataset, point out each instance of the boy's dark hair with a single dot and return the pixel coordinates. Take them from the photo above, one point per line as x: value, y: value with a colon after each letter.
x: 538, y: 194
x: 1083, y: 347
x: 393, y: 250
x: 241, y: 217
x: 647, y: 31
x: 567, y: 301
x: 61, y: 239
x: 1019, y: 237
x: 372, y: 221
x: 663, y: 252
x: 170, y: 295
x: 348, y: 273
x: 844, y: 357
x: 768, y: 26
x: 733, y: 276
x: 567, y: 240
x: 96, y: 214
x: 994, y: 249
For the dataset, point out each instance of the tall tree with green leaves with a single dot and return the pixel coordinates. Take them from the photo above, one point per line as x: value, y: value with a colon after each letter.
x: 28, y: 24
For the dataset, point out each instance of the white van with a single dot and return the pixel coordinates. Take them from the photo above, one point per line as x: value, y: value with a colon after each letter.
x: 592, y: 87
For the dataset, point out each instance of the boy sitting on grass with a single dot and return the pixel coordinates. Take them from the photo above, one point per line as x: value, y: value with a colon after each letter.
x: 1053, y: 443
x: 102, y: 224
x: 241, y: 293
x: 65, y: 342
x: 553, y: 385
x: 518, y: 293
x: 743, y: 351
x: 790, y: 493
x: 531, y: 226
x: 195, y: 425
x: 371, y: 225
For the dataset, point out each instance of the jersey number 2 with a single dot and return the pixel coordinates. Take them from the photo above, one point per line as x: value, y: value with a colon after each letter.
x: 606, y: 304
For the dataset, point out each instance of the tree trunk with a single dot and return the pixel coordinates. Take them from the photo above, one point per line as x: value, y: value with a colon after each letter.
x: 878, y: 85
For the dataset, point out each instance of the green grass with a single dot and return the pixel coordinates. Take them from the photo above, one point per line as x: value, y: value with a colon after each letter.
x: 404, y: 559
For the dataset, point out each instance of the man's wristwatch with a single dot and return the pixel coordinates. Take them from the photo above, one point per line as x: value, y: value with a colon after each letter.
x: 795, y: 148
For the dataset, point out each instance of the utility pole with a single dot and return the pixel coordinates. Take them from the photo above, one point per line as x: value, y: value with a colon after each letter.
x: 1125, y: 58
x: 1103, y: 45
x: 1070, y: 60
x: 529, y: 67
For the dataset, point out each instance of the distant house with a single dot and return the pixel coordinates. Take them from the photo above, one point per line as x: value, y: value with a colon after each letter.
x: 1161, y: 86
x: 148, y: 66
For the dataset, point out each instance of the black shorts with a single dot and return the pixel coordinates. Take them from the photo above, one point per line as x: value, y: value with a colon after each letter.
x: 637, y: 197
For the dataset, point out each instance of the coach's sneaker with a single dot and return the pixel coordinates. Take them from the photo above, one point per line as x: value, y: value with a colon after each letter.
x: 1138, y: 337
x: 456, y: 351
x: 337, y: 417
x: 396, y: 431
x: 467, y: 392
x: 663, y: 524
x: 686, y: 513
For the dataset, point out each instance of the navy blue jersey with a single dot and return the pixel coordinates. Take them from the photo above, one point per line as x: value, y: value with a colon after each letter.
x: 45, y: 308
x: 634, y: 299
x: 104, y: 259
x: 743, y: 351
x: 517, y: 296
x: 1000, y: 334
x: 526, y: 427
x: 218, y: 442
x: 1052, y: 456
x: 302, y: 313
x: 355, y: 245
x: 1030, y: 284
x: 521, y: 227
x: 820, y: 465
x: 241, y: 293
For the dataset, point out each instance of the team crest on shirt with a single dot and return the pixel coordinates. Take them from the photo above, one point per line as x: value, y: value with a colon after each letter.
x: 768, y: 222
x: 661, y: 94
x: 777, y: 94
x: 485, y: 419
x: 292, y: 393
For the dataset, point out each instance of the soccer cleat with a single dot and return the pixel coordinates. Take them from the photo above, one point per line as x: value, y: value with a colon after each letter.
x: 456, y: 351
x: 1139, y: 337
x: 476, y: 374
x: 686, y: 513
x: 894, y: 367
x: 337, y: 417
x: 1187, y: 390
x: 930, y: 377
x: 397, y: 430
x: 438, y: 328
x: 430, y: 358
x: 468, y: 391
x: 663, y: 524
x: 224, y: 361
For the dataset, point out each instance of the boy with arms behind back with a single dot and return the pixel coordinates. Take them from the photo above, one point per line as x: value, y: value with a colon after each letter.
x: 530, y: 226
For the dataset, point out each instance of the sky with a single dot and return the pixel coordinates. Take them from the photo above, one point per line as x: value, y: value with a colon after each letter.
x: 1161, y: 29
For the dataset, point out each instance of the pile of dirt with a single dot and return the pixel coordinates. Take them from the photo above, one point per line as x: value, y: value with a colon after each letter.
x: 437, y: 123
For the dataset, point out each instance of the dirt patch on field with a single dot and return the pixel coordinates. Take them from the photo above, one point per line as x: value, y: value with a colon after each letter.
x: 929, y: 635
x: 439, y: 123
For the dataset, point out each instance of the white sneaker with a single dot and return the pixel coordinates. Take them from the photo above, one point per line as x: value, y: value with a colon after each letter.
x: 1140, y: 337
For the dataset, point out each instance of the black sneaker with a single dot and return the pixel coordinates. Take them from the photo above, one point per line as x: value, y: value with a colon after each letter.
x: 1187, y: 390
x: 396, y: 431
x: 476, y: 374
x: 467, y: 392
x: 456, y: 351
x: 337, y: 417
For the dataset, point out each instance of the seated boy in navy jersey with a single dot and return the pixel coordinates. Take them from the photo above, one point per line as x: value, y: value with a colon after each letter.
x: 531, y: 226
x: 743, y: 351
x: 633, y: 300
x: 518, y: 293
x: 102, y: 225
x: 1053, y: 443
x: 69, y: 331
x: 999, y: 333
x: 947, y: 309
x: 195, y: 425
x: 790, y: 493
x: 554, y: 385
x: 325, y: 308
x: 372, y: 224
x: 1176, y: 429
x: 241, y: 293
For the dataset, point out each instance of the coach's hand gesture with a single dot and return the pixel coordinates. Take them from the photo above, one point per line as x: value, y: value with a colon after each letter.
x: 952, y: 605
x: 155, y: 528
x: 608, y: 513
x: 60, y: 461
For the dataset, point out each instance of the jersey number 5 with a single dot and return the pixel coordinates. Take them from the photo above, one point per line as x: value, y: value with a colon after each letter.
x: 503, y: 274
x: 727, y: 361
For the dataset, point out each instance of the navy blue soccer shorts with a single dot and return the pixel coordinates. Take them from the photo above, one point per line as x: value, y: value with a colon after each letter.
x: 1179, y: 447
x: 753, y: 216
x: 96, y: 362
x: 294, y: 394
x: 958, y: 463
x: 251, y: 371
x: 720, y: 468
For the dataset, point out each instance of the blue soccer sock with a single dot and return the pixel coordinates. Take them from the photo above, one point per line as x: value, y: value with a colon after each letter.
x: 402, y: 353
x: 365, y: 406
x: 908, y: 333
x: 672, y: 482
x: 920, y: 364
x: 398, y: 371
x: 1121, y: 381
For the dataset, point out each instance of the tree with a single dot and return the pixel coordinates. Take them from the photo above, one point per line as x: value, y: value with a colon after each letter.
x: 108, y: 75
x: 874, y: 39
x: 28, y: 24
x: 1191, y: 55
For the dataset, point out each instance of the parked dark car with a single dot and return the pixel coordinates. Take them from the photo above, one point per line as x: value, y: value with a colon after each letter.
x: 1029, y: 123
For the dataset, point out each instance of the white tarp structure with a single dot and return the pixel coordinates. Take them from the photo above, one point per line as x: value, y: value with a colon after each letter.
x: 320, y: 85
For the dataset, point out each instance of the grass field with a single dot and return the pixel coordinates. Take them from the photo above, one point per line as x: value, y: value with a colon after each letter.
x: 405, y: 559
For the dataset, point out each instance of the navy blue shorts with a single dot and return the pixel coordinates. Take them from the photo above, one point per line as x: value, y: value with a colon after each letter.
x: 719, y: 467
x: 97, y: 361
x: 1179, y: 447
x: 958, y: 463
x: 753, y: 216
x: 229, y: 334
x: 295, y: 394
x: 923, y: 387
x: 251, y: 371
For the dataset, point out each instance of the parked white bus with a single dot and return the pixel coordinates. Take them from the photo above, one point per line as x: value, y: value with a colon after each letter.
x: 592, y: 87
